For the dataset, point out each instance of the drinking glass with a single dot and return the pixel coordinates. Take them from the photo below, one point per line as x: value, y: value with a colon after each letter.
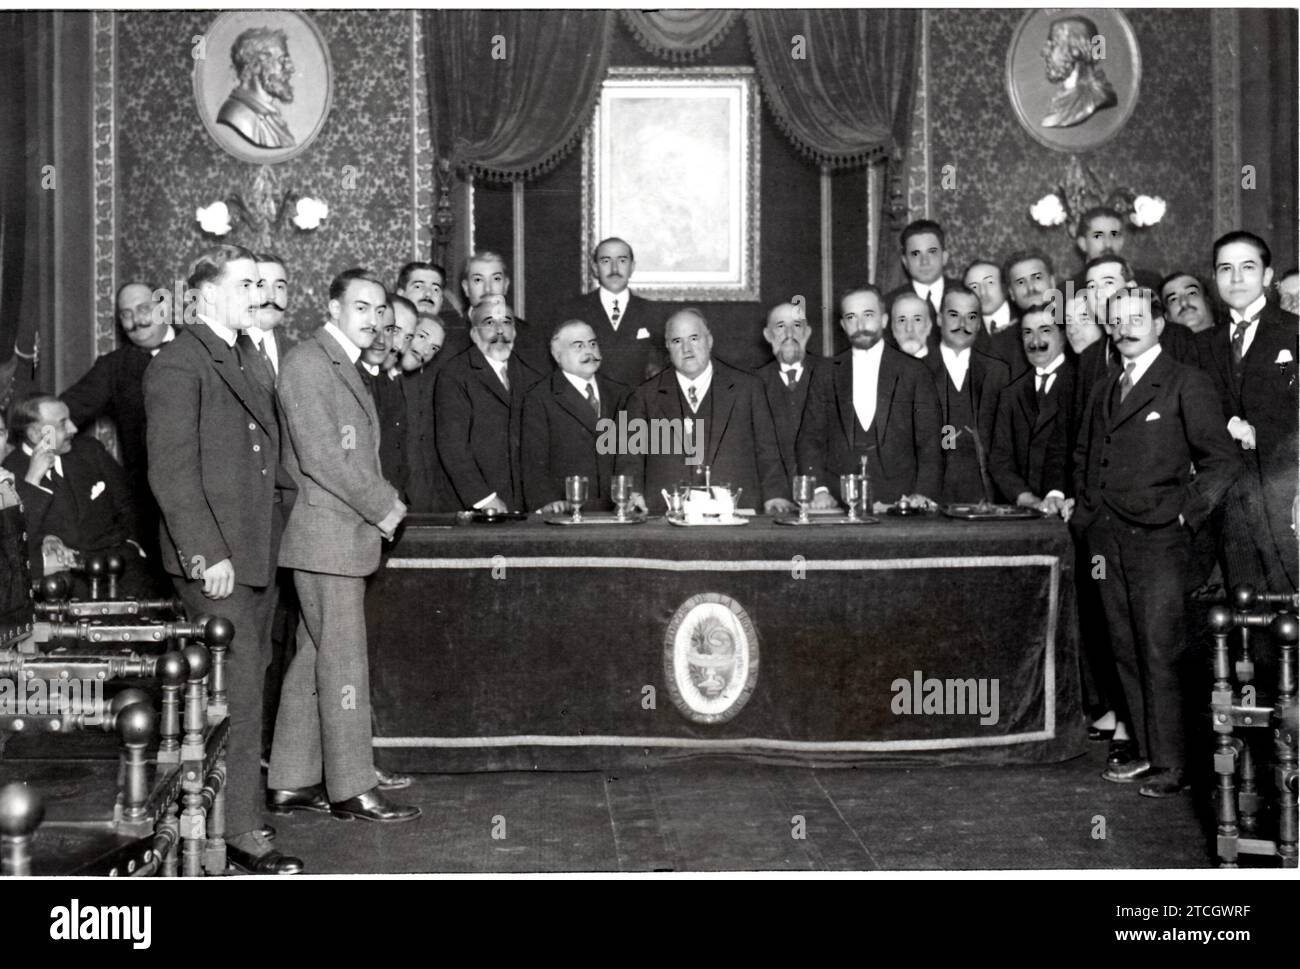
x: 576, y: 488
x: 804, y: 486
x: 620, y: 489
x: 851, y: 492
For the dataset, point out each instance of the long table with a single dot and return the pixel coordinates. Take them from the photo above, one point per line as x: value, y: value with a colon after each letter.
x: 533, y: 646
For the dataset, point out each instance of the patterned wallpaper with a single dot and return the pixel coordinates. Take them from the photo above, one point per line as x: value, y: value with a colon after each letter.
x: 167, y: 165
x: 1165, y: 149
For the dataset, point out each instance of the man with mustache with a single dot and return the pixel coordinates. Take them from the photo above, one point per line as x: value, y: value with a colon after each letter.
x: 425, y: 285
x: 486, y: 274
x: 1138, y: 505
x: 1000, y: 335
x: 267, y: 332
x: 1102, y: 232
x: 380, y: 372
x: 1185, y: 302
x: 114, y: 388
x: 478, y: 399
x: 871, y: 401
x: 630, y: 337
x: 967, y: 383
x: 560, y: 416
x: 726, y: 423
x: 786, y: 379
x: 1070, y: 63
x: 911, y: 321
x: 427, y: 483
x: 323, y: 759
x: 214, y: 465
x: 261, y: 60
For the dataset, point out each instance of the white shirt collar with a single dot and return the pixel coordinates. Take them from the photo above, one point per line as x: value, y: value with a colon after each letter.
x: 701, y: 383
x: 607, y: 300
x: 956, y: 362
x: 225, y: 333
x: 999, y: 319
x: 796, y: 367
x: 499, y: 367
x: 580, y: 385
x: 371, y: 368
x: 1142, y: 363
x: 1253, y: 310
x: 870, y: 357
x: 58, y: 459
x: 351, y: 349
x: 923, y: 291
x: 1051, y: 367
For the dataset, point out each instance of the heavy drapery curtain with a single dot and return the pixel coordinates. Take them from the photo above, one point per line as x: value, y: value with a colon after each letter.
x: 510, y: 92
x: 679, y: 35
x: 848, y: 99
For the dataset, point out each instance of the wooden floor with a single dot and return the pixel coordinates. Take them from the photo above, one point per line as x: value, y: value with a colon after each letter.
x: 728, y: 816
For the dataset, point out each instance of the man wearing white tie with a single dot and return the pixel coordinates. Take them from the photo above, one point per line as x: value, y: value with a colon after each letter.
x: 630, y: 337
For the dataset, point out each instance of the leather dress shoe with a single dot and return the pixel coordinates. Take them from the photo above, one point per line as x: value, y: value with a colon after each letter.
x: 1127, y: 773
x: 391, y: 782
x: 260, y: 858
x: 1163, y: 783
x: 373, y: 806
x: 300, y: 799
x: 1121, y: 752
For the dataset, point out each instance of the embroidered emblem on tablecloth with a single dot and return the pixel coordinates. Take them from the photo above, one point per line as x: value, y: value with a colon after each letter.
x: 711, y: 658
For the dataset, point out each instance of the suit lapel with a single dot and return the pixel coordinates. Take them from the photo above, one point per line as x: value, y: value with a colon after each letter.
x: 573, y: 403
x: 1051, y: 405
x: 885, y: 385
x: 487, y: 376
x: 724, y: 399
x: 347, y: 372
x: 1145, y: 391
x: 843, y: 370
x: 227, y: 367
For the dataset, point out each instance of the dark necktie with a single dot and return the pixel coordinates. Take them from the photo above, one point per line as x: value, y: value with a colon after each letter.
x: 791, y: 378
x: 691, y: 396
x: 592, y: 399
x: 505, y: 380
x: 1126, y: 381
x: 1239, y: 346
x: 934, y: 303
x: 613, y: 317
x: 253, y: 363
x: 1041, y: 388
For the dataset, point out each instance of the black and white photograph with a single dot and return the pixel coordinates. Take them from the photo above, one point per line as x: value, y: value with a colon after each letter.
x: 646, y: 444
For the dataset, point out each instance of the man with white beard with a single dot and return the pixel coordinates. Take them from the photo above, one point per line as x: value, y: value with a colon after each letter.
x: 786, y: 378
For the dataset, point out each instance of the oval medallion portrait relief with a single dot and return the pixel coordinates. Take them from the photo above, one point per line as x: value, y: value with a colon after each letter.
x: 263, y: 83
x: 710, y: 658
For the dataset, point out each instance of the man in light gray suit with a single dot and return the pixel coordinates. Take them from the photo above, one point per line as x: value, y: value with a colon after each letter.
x: 332, y: 542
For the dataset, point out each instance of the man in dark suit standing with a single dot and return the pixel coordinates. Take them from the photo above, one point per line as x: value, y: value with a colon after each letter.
x: 967, y: 383
x: 1138, y: 504
x: 1032, y: 444
x: 214, y: 464
x: 1253, y: 363
x: 114, y: 388
x: 562, y: 418
x: 332, y: 542
x: 786, y: 378
x: 1000, y: 335
x: 871, y: 401
x: 477, y: 402
x: 627, y: 329
x: 484, y: 274
x: 726, y: 423
x: 912, y: 325
x: 76, y: 499
x: 379, y: 369
x: 427, y: 485
x: 924, y: 255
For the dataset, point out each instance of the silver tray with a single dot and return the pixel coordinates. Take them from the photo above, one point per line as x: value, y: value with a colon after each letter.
x: 719, y: 523
x: 824, y: 520
x: 602, y: 519
x: 988, y: 513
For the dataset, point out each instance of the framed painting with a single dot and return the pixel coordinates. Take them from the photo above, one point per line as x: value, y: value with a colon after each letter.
x: 263, y: 83
x: 1073, y: 76
x: 671, y: 165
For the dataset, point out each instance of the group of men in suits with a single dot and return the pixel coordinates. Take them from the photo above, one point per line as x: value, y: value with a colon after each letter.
x: 1094, y: 405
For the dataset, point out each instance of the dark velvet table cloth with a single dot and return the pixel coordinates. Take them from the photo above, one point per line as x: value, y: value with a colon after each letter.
x: 534, y: 646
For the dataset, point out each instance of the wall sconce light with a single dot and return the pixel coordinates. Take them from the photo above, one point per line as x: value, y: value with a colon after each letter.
x: 1081, y: 190
x: 264, y: 212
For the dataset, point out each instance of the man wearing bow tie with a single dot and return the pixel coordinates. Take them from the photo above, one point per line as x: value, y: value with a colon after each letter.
x: 1138, y: 505
x: 75, y: 496
x: 629, y: 333
x: 786, y: 379
x: 1253, y: 362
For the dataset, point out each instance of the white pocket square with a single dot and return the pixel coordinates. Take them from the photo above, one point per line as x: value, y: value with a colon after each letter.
x: 97, y: 490
x: 1283, y: 356
x: 1153, y: 416
x: 643, y: 334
